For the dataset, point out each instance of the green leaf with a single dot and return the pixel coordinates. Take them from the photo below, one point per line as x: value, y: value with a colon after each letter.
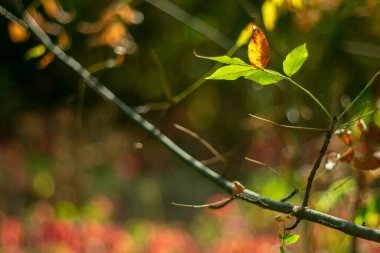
x: 282, y: 249
x: 265, y: 76
x: 224, y: 59
x: 231, y: 72
x: 294, y: 60
x: 35, y: 52
x: 291, y: 239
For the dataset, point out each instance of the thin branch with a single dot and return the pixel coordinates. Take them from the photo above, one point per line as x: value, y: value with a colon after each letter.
x: 164, y: 81
x: 351, y: 122
x: 203, y: 142
x: 318, y: 162
x: 290, y: 195
x: 11, y: 17
x: 217, y: 204
x: 247, y: 195
x: 179, y: 97
x: 271, y: 168
x: 222, y: 204
x: 193, y: 22
x: 314, y: 171
x: 312, y: 97
x: 359, y: 95
x: 305, y: 91
x: 288, y: 126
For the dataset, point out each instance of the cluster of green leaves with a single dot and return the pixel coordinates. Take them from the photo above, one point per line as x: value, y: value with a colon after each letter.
x: 235, y: 68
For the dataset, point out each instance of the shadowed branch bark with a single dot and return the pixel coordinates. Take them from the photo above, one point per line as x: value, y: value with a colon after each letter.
x: 247, y: 195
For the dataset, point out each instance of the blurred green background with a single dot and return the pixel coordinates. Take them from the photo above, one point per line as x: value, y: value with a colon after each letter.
x: 76, y: 175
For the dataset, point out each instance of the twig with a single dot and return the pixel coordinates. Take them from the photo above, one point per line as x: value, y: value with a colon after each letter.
x: 359, y: 95
x: 351, y: 122
x: 217, y: 204
x: 164, y: 81
x: 271, y: 168
x: 290, y: 195
x: 203, y: 142
x: 222, y: 204
x: 289, y: 126
x: 11, y: 17
x: 247, y: 195
x: 193, y: 22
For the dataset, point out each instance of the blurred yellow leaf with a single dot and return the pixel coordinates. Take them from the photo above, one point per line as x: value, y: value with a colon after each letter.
x: 35, y: 52
x: 258, y: 49
x: 244, y: 35
x: 269, y: 11
x: 297, y: 4
x: 17, y: 33
x: 278, y: 2
x: 43, y: 185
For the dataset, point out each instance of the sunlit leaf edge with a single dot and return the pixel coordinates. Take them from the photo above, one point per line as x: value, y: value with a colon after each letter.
x: 231, y: 72
x: 224, y: 59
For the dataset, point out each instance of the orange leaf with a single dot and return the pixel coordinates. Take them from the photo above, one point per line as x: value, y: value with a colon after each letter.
x: 46, y: 60
x: 347, y: 155
x: 370, y: 162
x: 345, y: 135
x: 17, y: 33
x: 64, y: 40
x: 258, y: 49
x: 51, y: 7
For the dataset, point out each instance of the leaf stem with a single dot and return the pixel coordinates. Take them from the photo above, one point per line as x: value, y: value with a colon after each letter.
x: 200, y: 81
x: 288, y: 126
x: 306, y: 91
x: 359, y: 95
x: 311, y: 96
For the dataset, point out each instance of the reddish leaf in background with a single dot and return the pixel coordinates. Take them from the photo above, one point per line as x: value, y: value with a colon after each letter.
x: 347, y: 155
x: 258, y: 49
x: 17, y: 33
x: 345, y: 135
x: 368, y: 154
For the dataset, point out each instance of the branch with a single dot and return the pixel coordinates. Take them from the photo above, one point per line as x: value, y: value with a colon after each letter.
x: 247, y: 195
x: 318, y: 162
x: 203, y: 142
x: 313, y: 171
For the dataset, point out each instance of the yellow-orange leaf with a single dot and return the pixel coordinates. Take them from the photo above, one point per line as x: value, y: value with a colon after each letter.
x: 17, y: 33
x: 46, y: 60
x: 258, y: 49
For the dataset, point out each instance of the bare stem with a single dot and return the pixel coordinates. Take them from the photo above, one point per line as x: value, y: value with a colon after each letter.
x: 311, y: 96
x: 288, y: 126
x: 203, y: 142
